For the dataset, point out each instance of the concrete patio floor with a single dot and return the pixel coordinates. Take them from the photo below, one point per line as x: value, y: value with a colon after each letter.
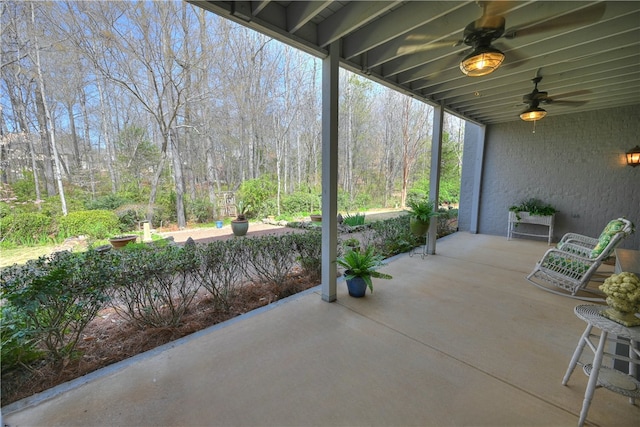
x: 456, y: 339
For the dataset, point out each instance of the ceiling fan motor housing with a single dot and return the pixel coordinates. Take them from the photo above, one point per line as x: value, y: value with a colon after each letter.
x: 483, y: 35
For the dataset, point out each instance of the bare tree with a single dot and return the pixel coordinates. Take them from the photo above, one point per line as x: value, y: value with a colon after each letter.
x: 49, y: 122
x: 414, y: 137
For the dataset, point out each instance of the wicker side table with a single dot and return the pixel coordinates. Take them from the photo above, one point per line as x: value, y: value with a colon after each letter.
x: 608, y: 378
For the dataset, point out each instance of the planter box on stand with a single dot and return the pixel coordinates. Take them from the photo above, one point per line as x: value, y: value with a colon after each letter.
x: 517, y: 218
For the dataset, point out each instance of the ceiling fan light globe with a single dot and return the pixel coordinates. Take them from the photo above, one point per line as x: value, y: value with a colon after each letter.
x: 482, y: 61
x: 533, y: 114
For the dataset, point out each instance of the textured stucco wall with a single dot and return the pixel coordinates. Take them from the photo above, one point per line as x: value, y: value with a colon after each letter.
x: 574, y: 162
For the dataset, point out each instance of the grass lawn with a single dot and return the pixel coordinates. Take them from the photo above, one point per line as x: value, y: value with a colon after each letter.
x: 23, y: 254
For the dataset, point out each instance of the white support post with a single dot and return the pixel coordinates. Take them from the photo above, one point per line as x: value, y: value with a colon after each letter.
x: 434, y: 177
x: 330, y: 73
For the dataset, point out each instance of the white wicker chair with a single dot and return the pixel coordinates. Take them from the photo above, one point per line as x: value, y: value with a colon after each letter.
x: 572, y: 264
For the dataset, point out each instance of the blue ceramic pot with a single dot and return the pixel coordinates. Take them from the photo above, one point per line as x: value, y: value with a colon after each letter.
x: 357, y: 287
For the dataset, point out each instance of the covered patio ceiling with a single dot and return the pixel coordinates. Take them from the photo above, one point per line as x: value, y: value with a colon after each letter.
x: 588, y: 53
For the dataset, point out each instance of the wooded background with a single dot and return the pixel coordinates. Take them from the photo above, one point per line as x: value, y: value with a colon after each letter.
x: 162, y: 103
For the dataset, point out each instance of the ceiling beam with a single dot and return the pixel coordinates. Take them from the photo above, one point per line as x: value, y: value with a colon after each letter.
x: 412, y: 15
x: 354, y: 15
x: 299, y: 13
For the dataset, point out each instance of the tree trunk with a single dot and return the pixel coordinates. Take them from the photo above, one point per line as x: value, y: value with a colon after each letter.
x: 154, y: 188
x: 49, y: 121
x: 107, y: 141
x: 74, y: 136
x: 47, y: 156
x: 179, y: 179
x: 87, y: 138
x: 19, y: 109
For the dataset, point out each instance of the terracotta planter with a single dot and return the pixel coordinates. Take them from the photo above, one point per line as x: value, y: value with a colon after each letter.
x: 120, y: 241
x: 239, y: 227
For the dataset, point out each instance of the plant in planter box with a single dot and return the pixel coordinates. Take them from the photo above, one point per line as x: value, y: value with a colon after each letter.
x: 240, y: 225
x: 421, y: 210
x: 361, y: 267
x: 533, y: 207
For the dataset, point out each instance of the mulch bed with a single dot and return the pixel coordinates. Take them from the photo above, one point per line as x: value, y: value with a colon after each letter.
x: 109, y: 339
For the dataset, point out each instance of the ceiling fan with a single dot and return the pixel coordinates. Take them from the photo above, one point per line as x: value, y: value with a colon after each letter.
x: 537, y: 97
x: 481, y: 33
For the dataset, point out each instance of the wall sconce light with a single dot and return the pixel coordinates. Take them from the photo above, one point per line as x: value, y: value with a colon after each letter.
x: 633, y: 156
x: 482, y: 61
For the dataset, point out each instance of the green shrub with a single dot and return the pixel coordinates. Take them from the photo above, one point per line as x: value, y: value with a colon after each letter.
x: 309, y: 250
x: 109, y: 202
x: 130, y: 216
x: 447, y: 221
x: 255, y: 192
x: 25, y: 188
x: 221, y: 269
x: 344, y: 201
x: 98, y: 224
x: 300, y: 201
x: 52, y: 207
x: 200, y: 210
x: 362, y: 201
x: 269, y: 207
x: 156, y: 285
x: 5, y: 210
x: 393, y: 236
x: 57, y: 296
x: 272, y: 259
x: 18, y: 341
x: 127, y: 218
x: 26, y: 228
x: 165, y: 209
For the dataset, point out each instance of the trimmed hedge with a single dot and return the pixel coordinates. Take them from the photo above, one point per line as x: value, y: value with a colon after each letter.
x: 98, y: 224
x: 26, y: 228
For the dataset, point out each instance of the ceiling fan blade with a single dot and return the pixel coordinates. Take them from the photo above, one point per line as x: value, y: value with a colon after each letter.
x: 570, y: 94
x: 587, y: 15
x: 421, y: 44
x: 567, y: 103
x: 492, y: 14
x: 496, y: 8
x: 513, y: 58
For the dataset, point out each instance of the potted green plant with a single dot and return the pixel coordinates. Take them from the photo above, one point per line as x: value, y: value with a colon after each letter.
x: 532, y: 207
x: 421, y: 211
x: 361, y: 267
x: 240, y: 225
x: 531, y: 211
